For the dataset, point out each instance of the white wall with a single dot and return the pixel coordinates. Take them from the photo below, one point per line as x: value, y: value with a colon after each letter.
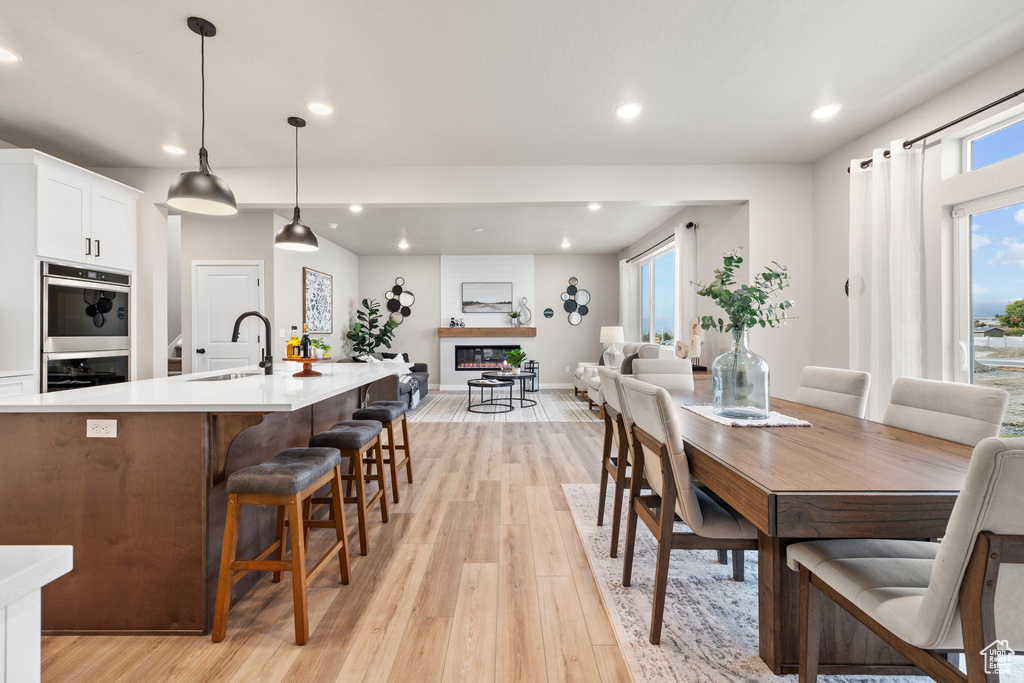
x: 336, y: 261
x: 173, y: 277
x: 780, y: 197
x: 832, y: 209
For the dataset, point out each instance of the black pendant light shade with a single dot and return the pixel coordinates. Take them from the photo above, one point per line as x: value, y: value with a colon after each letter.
x: 295, y: 236
x: 201, y: 191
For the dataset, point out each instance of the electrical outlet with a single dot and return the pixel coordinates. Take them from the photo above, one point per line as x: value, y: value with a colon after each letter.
x: 567, y: 368
x: 101, y: 429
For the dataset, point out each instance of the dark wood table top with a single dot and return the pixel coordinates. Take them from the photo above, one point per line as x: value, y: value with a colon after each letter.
x: 837, y: 454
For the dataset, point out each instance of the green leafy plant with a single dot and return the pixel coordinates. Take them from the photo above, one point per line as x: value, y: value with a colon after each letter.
x: 321, y: 344
x: 746, y: 305
x: 514, y: 315
x: 515, y: 357
x: 369, y: 334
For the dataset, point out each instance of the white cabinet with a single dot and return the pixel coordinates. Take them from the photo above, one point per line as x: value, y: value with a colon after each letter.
x: 18, y: 385
x: 84, y: 220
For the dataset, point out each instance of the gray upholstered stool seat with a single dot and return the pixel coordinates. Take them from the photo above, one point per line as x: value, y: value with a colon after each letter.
x: 381, y: 411
x: 287, y: 473
x: 348, y: 434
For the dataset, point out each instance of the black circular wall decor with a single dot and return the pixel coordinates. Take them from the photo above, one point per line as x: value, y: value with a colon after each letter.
x: 399, y: 301
x: 575, y: 302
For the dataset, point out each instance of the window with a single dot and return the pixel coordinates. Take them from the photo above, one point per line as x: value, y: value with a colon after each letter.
x: 989, y: 304
x: 994, y: 144
x: 657, y: 298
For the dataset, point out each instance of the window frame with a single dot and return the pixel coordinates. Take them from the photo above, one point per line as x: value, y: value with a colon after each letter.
x: 967, y: 143
x: 649, y: 260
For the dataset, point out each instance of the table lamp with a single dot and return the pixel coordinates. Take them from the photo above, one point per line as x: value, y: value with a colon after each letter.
x: 612, y: 336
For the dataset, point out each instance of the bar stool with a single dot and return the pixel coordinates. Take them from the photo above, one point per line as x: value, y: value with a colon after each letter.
x: 354, y: 438
x: 287, y: 480
x: 388, y: 413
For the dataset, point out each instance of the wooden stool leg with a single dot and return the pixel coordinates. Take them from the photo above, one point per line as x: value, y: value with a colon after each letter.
x: 227, y: 556
x: 393, y: 461
x: 351, y: 471
x: 299, y: 570
x: 723, y: 557
x: 307, y: 513
x: 279, y: 535
x: 737, y: 564
x: 379, y: 452
x: 408, y: 453
x: 810, y: 628
x: 620, y: 490
x: 340, y: 529
x: 360, y: 498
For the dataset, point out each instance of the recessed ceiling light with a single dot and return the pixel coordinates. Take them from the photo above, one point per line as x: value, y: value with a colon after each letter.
x: 9, y: 55
x: 565, y: 243
x: 321, y: 108
x: 478, y: 229
x: 403, y: 244
x: 826, y: 111
x: 594, y: 206
x: 355, y: 208
x: 629, y: 110
x: 332, y: 226
x: 171, y: 149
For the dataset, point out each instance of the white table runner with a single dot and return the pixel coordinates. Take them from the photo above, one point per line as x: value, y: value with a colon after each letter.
x: 774, y: 419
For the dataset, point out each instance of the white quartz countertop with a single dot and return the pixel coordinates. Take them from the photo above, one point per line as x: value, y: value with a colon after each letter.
x: 25, y: 568
x: 182, y: 394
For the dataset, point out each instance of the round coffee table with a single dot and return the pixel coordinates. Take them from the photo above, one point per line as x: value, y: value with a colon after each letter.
x: 522, y: 377
x: 490, y: 405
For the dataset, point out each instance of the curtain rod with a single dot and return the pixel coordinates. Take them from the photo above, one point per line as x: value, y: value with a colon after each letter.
x: 910, y: 143
x: 648, y: 251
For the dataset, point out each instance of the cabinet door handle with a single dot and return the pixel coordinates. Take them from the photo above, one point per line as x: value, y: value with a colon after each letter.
x: 88, y: 246
x: 200, y: 350
x: 97, y: 248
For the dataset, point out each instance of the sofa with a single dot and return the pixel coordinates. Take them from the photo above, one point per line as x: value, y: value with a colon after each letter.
x: 587, y: 381
x: 390, y: 388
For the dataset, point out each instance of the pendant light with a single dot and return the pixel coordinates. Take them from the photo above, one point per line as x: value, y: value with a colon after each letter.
x: 295, y: 236
x: 201, y: 191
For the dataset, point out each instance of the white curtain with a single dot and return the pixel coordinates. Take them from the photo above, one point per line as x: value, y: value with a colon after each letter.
x: 686, y: 275
x: 629, y: 300
x: 885, y: 270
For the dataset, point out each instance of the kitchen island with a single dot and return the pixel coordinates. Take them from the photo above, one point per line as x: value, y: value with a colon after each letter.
x: 143, y: 500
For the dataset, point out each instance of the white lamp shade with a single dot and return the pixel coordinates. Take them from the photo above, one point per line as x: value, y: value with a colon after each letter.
x: 612, y: 335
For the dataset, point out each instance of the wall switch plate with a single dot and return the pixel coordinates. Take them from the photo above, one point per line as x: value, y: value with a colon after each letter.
x: 567, y: 368
x: 101, y: 429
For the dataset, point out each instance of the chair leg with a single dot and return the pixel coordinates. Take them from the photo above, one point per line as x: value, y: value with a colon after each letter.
x: 393, y: 461
x: 299, y: 570
x: 627, y: 560
x: 810, y: 628
x: 620, y: 488
x: 723, y: 557
x: 603, y: 494
x: 307, y: 513
x: 408, y: 453
x: 665, y: 518
x: 351, y: 472
x: 738, y: 557
x: 227, y: 556
x: 360, y: 498
x: 379, y: 454
x: 340, y: 529
x: 279, y: 535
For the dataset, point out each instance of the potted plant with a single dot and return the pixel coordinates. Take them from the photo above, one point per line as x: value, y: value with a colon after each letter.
x: 739, y: 378
x: 322, y: 348
x: 515, y: 359
x: 368, y: 334
x: 514, y: 317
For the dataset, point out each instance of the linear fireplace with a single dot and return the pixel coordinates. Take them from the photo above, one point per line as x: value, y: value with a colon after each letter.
x: 481, y: 357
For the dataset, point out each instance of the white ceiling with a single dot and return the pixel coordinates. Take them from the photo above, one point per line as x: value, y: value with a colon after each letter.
x: 466, y: 82
x: 507, y: 228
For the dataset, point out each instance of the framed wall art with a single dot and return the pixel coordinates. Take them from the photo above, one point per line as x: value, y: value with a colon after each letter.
x: 317, y: 301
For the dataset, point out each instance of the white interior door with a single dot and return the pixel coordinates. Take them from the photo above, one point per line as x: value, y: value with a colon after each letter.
x: 222, y: 292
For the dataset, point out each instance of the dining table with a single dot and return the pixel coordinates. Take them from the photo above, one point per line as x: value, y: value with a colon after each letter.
x: 841, y: 477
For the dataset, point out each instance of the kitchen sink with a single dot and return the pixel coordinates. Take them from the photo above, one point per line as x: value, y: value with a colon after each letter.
x: 221, y: 378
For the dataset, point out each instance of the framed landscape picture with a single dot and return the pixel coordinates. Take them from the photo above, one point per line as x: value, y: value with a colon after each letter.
x: 486, y: 297
x: 317, y: 301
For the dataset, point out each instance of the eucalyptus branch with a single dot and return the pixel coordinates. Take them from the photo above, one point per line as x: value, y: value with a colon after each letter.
x: 748, y: 305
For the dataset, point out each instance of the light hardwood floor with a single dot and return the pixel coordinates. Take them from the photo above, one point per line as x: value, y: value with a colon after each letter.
x: 479, y: 576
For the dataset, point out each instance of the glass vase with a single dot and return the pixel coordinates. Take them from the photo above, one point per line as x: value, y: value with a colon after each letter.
x: 739, y: 382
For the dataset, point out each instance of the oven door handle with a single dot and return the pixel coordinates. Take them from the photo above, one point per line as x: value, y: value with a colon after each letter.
x: 86, y: 284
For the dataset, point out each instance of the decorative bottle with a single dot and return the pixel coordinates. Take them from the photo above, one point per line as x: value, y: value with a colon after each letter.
x: 740, y: 382
x: 304, y: 344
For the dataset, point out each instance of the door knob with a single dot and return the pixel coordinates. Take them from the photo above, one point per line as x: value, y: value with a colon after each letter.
x: 200, y: 350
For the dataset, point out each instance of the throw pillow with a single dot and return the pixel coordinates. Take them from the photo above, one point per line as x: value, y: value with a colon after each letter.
x: 627, y: 364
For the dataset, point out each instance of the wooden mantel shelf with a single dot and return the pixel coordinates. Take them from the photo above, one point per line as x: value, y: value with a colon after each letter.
x: 487, y: 332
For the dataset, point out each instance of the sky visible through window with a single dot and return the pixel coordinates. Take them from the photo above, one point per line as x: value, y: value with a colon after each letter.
x: 1002, y: 144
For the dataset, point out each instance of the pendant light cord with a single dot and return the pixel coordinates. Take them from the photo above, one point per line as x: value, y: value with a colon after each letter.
x: 202, y: 71
x: 296, y: 167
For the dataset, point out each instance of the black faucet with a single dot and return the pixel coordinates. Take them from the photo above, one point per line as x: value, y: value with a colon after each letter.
x: 268, y: 356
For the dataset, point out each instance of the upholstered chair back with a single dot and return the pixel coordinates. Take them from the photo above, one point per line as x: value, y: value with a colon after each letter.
x: 841, y: 391
x: 652, y: 409
x: 649, y: 351
x: 610, y: 391
x: 674, y: 374
x: 956, y: 412
x: 992, y: 500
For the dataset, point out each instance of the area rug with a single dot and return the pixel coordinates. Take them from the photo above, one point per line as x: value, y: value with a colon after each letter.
x: 450, y: 406
x: 710, y: 627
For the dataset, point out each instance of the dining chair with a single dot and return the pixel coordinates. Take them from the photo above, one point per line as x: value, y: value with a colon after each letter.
x: 617, y: 439
x: 659, y: 459
x: 840, y: 391
x: 926, y: 599
x: 674, y: 374
x: 963, y: 413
